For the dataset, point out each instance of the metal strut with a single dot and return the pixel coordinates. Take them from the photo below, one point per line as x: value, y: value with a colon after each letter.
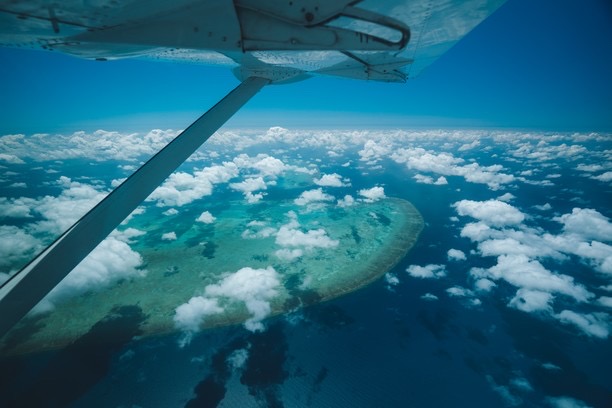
x: 32, y: 283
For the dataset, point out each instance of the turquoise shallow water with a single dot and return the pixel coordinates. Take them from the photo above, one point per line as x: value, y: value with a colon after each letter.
x: 327, y: 251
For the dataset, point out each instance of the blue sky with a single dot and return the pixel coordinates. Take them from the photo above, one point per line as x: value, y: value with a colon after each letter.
x: 532, y: 65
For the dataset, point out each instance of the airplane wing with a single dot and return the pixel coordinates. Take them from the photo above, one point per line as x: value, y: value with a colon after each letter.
x: 386, y: 40
x: 263, y: 41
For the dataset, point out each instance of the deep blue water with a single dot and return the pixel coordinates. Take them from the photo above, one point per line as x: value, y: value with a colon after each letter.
x: 381, y: 346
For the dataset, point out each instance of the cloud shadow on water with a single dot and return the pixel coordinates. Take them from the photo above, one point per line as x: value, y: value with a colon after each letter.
x: 299, y: 297
x: 328, y: 316
x: 265, y: 370
x: 547, y: 343
x: 23, y: 331
x: 211, y: 391
x: 262, y: 373
x: 438, y: 322
x: 209, y: 250
x: 74, y: 370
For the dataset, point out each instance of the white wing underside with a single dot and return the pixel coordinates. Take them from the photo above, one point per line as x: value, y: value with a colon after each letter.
x: 249, y: 34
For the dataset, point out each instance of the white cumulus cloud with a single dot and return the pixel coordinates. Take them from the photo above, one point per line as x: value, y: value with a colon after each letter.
x: 250, y: 184
x: 440, y: 181
x: 594, y: 324
x: 493, y: 212
x: 605, y: 301
x: 587, y: 223
x: 429, y: 297
x: 253, y: 287
x: 330, y: 180
x: 522, y: 272
x: 16, y: 207
x: 532, y: 300
x: 543, y: 207
x: 347, y: 201
x: 190, y: 315
x: 111, y: 261
x: 372, y: 194
x: 506, y: 197
x: 183, y: 188
x: 391, y: 279
x: 445, y: 164
x: 59, y: 213
x: 10, y: 158
x: 456, y: 255
x: 16, y: 246
x: 169, y: 236
x: 373, y: 151
x: 206, y: 217
x: 428, y: 271
x: 287, y: 254
x: 290, y: 235
x: 313, y: 196
x: 605, y: 177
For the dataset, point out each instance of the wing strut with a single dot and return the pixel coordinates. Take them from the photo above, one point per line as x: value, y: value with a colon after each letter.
x: 30, y: 285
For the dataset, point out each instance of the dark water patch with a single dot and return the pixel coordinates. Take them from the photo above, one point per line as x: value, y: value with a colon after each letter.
x: 547, y: 343
x: 211, y: 391
x: 23, y: 331
x: 336, y: 214
x: 316, y: 384
x: 209, y: 250
x: 383, y: 219
x: 261, y: 258
x: 328, y: 316
x: 221, y: 204
x: 299, y: 372
x: 150, y: 240
x: 17, y: 373
x: 281, y: 192
x: 293, y: 282
x: 499, y: 369
x: 292, y: 303
x: 161, y: 224
x: 320, y: 257
x: 442, y: 353
x: 474, y: 365
x: 503, y: 363
x: 403, y: 331
x: 299, y: 297
x: 536, y: 338
x: 355, y: 234
x: 264, y: 368
x: 282, y: 269
x: 12, y: 371
x: 180, y: 225
x: 254, y: 210
x: 569, y: 381
x: 319, y: 378
x: 438, y: 322
x: 205, y: 233
x: 72, y: 371
x: 171, y: 271
x: 351, y: 253
x: 477, y: 336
